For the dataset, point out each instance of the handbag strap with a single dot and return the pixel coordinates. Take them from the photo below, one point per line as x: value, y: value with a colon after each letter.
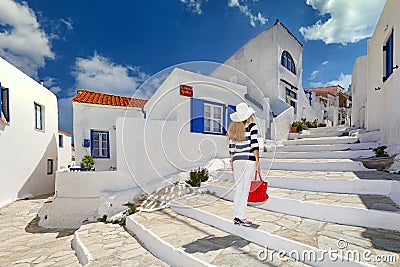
x: 259, y: 176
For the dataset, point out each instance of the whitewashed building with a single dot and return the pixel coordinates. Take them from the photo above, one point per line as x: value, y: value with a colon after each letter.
x: 336, y: 104
x: 94, y: 124
x: 382, y: 78
x: 270, y: 66
x: 64, y: 150
x: 359, y: 89
x: 28, y: 136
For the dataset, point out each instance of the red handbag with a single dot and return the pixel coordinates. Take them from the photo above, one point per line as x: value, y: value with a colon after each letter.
x: 258, y: 190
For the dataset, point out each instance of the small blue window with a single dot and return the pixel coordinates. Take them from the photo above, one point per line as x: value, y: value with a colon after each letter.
x: 288, y: 62
x: 50, y: 166
x: 4, y: 104
x: 60, y: 140
x: 100, y: 144
x: 207, y: 117
x: 388, y: 57
x: 38, y: 117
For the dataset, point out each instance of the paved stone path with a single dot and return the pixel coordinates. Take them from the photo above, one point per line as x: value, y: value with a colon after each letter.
x: 111, y: 245
x: 377, y: 202
x: 24, y: 243
x: 205, y: 242
x: 318, y: 234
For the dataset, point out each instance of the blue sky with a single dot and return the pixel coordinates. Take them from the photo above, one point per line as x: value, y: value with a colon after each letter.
x: 114, y: 46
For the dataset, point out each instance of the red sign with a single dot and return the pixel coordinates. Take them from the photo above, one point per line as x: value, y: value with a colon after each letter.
x: 186, y: 90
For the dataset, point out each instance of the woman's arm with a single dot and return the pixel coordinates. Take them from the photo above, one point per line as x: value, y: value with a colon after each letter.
x: 257, y: 155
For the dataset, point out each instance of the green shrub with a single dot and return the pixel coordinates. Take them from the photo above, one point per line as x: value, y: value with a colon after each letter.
x: 87, y: 161
x: 301, y: 125
x: 198, y: 176
x: 380, y: 151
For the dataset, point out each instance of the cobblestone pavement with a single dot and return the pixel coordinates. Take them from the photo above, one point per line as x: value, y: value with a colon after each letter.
x: 377, y: 202
x: 378, y: 242
x: 111, y: 245
x: 205, y: 242
x: 24, y: 243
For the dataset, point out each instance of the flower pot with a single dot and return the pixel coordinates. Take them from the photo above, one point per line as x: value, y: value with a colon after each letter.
x: 293, y: 129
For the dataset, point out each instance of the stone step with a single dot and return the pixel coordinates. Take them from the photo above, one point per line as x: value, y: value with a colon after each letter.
x: 374, y: 211
x: 100, y: 244
x: 320, y: 134
x: 292, y: 233
x: 350, y: 154
x: 310, y: 148
x: 312, y: 164
x: 321, y: 141
x: 181, y: 241
x: 327, y: 129
x: 364, y: 183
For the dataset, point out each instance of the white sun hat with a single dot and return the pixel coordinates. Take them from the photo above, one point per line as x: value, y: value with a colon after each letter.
x: 243, y: 112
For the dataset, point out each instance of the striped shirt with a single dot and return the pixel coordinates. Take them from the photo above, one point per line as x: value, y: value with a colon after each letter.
x: 244, y: 150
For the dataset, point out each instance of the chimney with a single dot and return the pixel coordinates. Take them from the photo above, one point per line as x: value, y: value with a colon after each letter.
x: 41, y: 82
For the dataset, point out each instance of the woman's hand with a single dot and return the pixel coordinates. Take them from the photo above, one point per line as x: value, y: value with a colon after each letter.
x: 258, y: 169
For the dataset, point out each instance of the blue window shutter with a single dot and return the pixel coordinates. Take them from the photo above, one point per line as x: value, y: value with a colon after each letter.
x: 1, y: 100
x: 389, y: 56
x: 108, y: 145
x: 231, y: 109
x: 196, y: 115
x: 92, y: 142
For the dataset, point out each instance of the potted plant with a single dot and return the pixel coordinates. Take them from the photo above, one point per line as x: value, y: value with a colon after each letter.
x: 87, y: 162
x: 300, y: 126
x: 293, y: 128
x: 198, y: 176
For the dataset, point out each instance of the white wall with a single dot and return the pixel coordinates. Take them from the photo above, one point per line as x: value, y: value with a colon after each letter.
x: 89, y: 117
x: 383, y: 109
x: 359, y: 88
x: 24, y: 150
x: 64, y: 152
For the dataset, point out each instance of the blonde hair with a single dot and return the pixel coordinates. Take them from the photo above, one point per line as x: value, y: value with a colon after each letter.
x: 236, y: 129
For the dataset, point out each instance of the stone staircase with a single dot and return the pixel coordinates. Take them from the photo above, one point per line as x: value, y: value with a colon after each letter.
x: 321, y: 198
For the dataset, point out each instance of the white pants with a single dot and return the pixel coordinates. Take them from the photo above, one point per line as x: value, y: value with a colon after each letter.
x: 243, y: 172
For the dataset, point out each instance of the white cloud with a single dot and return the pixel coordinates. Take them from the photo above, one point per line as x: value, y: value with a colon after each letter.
x: 194, y: 5
x: 325, y: 62
x: 68, y: 23
x: 344, y: 80
x: 101, y: 74
x: 313, y: 75
x: 244, y: 8
x: 22, y: 42
x: 350, y: 21
x: 51, y: 84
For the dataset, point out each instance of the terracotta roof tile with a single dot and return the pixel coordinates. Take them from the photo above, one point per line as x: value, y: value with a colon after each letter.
x: 85, y: 96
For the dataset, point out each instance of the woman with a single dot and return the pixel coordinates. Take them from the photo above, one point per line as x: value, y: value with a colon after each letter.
x: 244, y: 152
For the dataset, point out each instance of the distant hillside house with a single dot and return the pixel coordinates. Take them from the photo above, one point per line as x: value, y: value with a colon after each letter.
x: 64, y: 149
x: 336, y: 103
x: 28, y: 136
x: 94, y: 125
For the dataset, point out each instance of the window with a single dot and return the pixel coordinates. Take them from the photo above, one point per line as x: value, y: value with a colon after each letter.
x: 100, y: 144
x: 388, y: 57
x: 49, y: 166
x: 38, y: 117
x: 291, y: 98
x: 4, y: 104
x: 288, y: 62
x: 60, y: 140
x: 208, y: 117
x: 212, y: 118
